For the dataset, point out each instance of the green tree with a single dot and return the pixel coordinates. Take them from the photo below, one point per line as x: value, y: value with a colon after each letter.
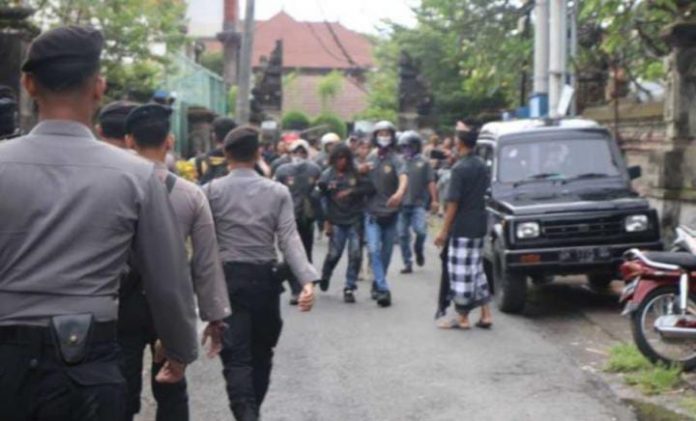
x: 295, y: 120
x: 214, y: 61
x: 133, y: 29
x: 469, y: 51
x: 333, y: 124
x: 329, y: 87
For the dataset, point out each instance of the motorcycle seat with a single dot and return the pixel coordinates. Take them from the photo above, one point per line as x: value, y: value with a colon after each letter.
x: 686, y: 261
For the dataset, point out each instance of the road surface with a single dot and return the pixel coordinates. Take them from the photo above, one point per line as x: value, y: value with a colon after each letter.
x: 360, y: 362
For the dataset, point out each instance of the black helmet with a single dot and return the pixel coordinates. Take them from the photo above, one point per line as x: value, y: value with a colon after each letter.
x: 411, y: 138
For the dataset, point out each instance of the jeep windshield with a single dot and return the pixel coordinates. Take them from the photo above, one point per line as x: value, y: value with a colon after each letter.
x: 560, y: 160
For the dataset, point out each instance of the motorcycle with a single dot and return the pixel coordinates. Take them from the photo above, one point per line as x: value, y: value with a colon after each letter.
x: 660, y: 297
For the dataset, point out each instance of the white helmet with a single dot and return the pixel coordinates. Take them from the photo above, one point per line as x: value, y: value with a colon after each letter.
x: 329, y: 139
x: 299, y: 143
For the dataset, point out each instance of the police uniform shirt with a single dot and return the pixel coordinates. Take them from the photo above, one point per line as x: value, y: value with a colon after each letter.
x: 196, y: 222
x: 384, y: 175
x: 251, y: 213
x: 420, y: 175
x: 300, y: 178
x: 71, y: 209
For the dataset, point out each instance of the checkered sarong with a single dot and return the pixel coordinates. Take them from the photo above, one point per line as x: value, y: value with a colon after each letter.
x: 468, y: 284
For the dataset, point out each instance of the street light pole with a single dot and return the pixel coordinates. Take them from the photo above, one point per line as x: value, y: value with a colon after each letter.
x: 244, y: 87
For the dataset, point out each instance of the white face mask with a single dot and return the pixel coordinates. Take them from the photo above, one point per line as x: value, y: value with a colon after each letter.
x: 384, y: 141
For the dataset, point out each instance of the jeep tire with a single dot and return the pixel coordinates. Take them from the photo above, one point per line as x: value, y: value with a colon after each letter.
x: 510, y: 288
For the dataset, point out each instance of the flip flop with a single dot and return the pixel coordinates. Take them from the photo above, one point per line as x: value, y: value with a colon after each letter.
x: 484, y: 325
x: 452, y: 324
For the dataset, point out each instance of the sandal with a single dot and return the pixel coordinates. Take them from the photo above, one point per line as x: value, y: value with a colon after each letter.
x: 452, y: 324
x: 484, y: 325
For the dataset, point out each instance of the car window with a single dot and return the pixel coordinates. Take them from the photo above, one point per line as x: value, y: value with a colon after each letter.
x: 564, y: 159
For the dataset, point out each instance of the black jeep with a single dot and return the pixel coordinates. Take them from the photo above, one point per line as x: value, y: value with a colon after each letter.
x: 560, y: 203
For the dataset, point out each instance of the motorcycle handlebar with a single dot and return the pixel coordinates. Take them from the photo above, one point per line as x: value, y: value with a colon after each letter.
x: 635, y: 254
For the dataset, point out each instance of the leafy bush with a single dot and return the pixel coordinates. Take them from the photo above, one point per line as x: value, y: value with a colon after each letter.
x: 295, y: 120
x: 333, y: 122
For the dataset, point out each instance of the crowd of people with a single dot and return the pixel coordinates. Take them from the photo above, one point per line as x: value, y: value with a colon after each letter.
x: 94, y: 263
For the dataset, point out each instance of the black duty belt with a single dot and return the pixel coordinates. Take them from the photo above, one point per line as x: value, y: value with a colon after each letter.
x: 100, y: 332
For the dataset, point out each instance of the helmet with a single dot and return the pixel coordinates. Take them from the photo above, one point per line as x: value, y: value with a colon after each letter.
x: 383, y: 125
x: 299, y: 143
x: 411, y: 138
x: 328, y: 139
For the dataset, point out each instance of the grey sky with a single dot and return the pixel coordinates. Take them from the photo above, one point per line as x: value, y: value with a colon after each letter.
x: 360, y: 15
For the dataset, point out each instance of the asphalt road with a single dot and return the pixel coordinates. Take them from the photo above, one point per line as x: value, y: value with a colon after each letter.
x: 360, y: 362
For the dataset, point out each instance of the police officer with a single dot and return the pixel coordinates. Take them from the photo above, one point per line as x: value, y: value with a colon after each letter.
x: 388, y: 174
x: 301, y: 176
x: 111, y: 126
x: 421, y: 194
x: 147, y: 129
x: 75, y: 206
x: 251, y: 214
x: 8, y: 113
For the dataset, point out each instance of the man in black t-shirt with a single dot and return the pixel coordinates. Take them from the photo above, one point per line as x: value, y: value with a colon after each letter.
x: 213, y: 164
x: 463, y: 233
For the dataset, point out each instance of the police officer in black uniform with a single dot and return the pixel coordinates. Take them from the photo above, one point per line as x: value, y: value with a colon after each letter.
x: 72, y: 208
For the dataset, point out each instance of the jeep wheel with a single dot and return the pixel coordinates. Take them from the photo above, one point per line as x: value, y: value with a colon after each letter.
x: 600, y: 281
x: 510, y: 288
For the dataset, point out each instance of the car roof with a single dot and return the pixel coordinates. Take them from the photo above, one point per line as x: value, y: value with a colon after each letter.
x: 502, y: 128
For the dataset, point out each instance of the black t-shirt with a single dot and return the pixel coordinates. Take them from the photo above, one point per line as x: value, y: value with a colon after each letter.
x: 468, y: 184
x: 348, y: 210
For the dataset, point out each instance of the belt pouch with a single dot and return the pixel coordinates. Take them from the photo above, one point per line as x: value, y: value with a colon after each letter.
x: 71, y: 334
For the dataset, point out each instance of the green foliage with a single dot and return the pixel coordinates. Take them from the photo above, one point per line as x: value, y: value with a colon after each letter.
x: 469, y: 52
x: 295, y: 120
x: 232, y: 100
x: 625, y: 358
x: 131, y: 28
x: 656, y: 380
x: 333, y: 122
x: 215, y: 62
x: 628, y: 34
x: 329, y: 88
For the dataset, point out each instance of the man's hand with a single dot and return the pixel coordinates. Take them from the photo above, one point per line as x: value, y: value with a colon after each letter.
x: 328, y: 228
x: 343, y: 194
x: 441, y: 239
x: 434, y: 207
x: 364, y: 168
x: 395, y: 201
x: 213, y: 333
x: 306, y: 299
x: 171, y: 372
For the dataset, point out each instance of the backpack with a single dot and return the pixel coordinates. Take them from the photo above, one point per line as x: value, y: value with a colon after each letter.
x: 210, y: 168
x: 130, y: 279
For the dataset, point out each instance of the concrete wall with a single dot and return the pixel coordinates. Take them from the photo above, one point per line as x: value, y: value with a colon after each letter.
x: 669, y: 166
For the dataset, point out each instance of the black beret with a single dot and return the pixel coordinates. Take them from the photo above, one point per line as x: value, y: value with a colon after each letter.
x: 116, y: 111
x: 147, y: 113
x: 67, y: 44
x: 241, y: 136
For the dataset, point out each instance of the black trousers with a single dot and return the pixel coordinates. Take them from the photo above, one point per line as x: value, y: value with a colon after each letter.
x: 136, y: 331
x: 306, y: 230
x: 253, y: 332
x: 36, y: 385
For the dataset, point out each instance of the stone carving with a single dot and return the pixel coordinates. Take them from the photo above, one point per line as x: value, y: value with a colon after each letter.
x: 268, y: 91
x: 414, y: 90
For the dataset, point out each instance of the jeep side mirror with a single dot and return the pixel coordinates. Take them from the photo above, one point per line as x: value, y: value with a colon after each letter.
x: 635, y: 172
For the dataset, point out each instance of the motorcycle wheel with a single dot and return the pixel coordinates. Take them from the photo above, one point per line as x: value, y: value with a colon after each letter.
x: 662, y: 301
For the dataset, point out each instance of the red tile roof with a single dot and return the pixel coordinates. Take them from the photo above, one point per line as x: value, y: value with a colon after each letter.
x: 312, y: 44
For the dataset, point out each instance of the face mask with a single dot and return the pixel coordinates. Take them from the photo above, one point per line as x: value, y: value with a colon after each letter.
x: 408, y: 151
x: 384, y: 141
x: 296, y: 159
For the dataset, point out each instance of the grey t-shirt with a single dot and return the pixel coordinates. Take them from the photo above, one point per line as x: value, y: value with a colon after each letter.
x: 420, y: 175
x: 322, y: 159
x: 468, y: 184
x: 384, y: 175
x: 300, y: 178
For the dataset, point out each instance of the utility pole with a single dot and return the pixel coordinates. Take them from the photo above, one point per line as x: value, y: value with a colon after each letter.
x: 573, y: 49
x: 539, y: 103
x: 558, y: 55
x: 244, y: 87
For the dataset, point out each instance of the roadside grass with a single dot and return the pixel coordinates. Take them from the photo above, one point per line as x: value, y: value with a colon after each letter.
x: 689, y: 404
x: 639, y: 372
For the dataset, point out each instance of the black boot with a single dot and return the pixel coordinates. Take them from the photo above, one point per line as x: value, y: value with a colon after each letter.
x: 384, y: 298
x: 245, y: 411
x: 406, y: 270
x: 348, y: 296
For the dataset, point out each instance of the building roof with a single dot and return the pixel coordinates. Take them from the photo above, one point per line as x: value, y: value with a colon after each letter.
x: 317, y: 45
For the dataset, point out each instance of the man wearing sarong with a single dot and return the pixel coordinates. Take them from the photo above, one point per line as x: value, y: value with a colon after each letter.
x: 462, y: 236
